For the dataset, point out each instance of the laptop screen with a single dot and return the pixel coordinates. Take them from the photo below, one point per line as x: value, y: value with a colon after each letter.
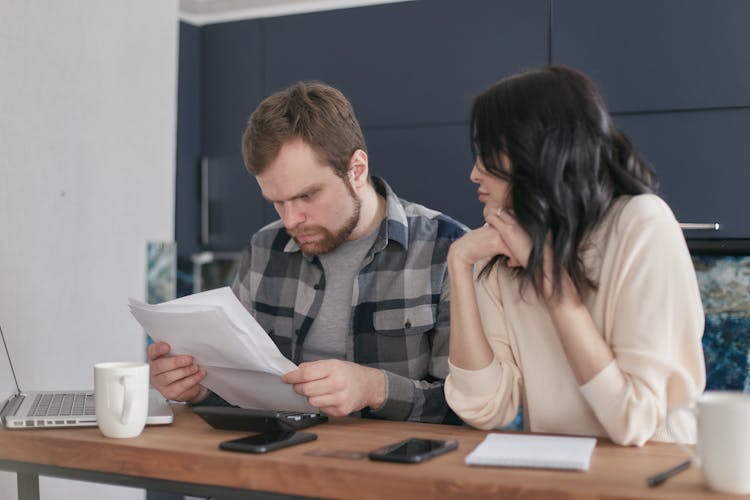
x: 7, y: 380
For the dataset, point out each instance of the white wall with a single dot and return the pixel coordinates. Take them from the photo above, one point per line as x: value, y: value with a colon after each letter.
x: 87, y: 147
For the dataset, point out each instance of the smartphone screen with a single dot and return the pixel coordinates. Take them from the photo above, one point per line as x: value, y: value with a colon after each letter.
x: 413, y: 450
x: 267, y: 441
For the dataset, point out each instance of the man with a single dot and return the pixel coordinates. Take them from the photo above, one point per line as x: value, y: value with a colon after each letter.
x: 350, y: 283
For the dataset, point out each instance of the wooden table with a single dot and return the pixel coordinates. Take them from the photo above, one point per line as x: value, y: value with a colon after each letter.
x: 184, y: 457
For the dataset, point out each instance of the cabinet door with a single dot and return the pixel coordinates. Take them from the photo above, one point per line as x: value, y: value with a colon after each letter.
x: 702, y: 161
x: 232, y: 83
x: 658, y: 54
x: 411, y: 63
x: 428, y: 165
x: 232, y: 205
x: 189, y: 140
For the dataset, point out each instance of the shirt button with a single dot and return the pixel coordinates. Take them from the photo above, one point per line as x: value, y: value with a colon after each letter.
x: 316, y: 286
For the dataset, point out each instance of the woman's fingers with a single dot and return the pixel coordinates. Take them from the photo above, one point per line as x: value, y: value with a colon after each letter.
x: 512, y: 234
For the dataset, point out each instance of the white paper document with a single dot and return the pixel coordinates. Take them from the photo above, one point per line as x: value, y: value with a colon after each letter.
x: 243, y: 364
x: 536, y: 451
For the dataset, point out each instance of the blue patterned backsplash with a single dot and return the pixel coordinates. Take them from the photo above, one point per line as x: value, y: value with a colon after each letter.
x: 161, y: 273
x: 161, y: 270
x: 725, y: 291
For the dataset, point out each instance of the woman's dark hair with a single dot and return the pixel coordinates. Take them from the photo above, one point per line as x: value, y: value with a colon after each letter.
x: 568, y: 164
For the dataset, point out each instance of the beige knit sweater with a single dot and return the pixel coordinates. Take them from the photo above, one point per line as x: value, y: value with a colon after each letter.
x: 647, y: 308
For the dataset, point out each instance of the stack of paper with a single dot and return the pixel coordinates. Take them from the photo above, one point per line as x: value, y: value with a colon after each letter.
x: 536, y: 451
x: 243, y: 364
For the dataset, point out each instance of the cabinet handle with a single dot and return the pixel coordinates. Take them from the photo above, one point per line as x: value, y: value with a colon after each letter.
x: 698, y: 226
x: 205, y: 230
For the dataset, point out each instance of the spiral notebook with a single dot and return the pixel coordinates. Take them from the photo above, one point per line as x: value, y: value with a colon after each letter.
x: 533, y: 451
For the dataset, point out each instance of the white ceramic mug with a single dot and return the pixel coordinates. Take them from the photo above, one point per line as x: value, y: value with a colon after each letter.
x: 121, y: 391
x: 723, y: 419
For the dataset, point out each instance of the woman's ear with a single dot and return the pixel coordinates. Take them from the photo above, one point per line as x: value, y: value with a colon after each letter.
x: 358, y: 168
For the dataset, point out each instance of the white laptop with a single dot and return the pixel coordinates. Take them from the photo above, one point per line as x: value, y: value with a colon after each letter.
x: 33, y: 409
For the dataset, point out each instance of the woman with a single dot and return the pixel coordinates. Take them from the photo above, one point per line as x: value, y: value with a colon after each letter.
x: 577, y: 300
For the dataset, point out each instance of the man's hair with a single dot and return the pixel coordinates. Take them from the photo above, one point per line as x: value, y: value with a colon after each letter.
x: 314, y: 112
x: 569, y: 162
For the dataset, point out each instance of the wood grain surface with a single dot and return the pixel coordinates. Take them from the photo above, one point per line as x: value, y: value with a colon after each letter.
x: 187, y: 451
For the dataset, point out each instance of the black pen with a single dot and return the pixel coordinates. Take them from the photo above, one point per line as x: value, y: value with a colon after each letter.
x: 659, y: 478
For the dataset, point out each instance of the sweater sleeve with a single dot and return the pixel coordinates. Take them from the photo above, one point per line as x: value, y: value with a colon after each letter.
x: 487, y: 398
x: 654, y: 328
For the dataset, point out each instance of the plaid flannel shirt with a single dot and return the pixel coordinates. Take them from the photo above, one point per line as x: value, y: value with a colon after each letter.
x: 400, y: 303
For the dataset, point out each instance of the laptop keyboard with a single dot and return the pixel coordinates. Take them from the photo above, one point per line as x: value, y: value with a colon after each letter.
x: 62, y: 404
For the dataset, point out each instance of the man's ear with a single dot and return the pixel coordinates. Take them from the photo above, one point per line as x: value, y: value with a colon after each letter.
x: 358, y: 168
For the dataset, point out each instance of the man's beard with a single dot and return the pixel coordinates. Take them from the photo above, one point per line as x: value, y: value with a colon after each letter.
x: 329, y: 240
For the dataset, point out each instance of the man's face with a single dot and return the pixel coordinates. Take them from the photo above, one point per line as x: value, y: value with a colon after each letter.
x: 319, y: 209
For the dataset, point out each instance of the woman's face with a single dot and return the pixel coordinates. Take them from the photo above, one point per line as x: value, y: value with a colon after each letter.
x: 493, y: 191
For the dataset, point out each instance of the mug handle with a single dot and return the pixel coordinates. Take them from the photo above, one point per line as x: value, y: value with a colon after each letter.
x: 127, y: 393
x: 672, y: 411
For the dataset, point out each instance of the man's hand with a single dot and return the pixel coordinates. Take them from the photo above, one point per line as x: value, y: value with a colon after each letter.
x: 337, y: 387
x: 175, y: 377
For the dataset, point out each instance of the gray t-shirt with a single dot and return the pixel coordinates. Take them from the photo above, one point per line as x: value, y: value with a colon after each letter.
x: 328, y: 333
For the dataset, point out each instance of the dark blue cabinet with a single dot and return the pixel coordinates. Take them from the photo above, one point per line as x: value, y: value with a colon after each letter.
x: 676, y: 74
x: 231, y: 208
x: 231, y: 203
x: 232, y: 80
x: 411, y: 63
x: 658, y: 54
x: 428, y: 165
x: 189, y: 140
x: 701, y: 158
x: 410, y: 70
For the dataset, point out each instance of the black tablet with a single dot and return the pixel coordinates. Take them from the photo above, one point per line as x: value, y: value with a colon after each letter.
x: 244, y: 419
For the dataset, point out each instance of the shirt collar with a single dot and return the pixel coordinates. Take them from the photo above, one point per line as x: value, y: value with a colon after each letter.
x: 393, y: 227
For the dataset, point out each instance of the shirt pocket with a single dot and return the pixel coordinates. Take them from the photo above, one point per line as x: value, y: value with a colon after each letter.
x: 400, y: 322
x: 401, y: 340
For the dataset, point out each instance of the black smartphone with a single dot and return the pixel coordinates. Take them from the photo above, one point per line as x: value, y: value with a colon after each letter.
x: 413, y: 450
x: 267, y: 441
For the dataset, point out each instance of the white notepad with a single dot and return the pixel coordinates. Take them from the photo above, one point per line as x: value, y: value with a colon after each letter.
x: 535, y: 451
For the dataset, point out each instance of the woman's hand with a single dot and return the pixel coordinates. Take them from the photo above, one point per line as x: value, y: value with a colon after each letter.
x: 519, y: 247
x: 476, y: 245
x: 516, y: 242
